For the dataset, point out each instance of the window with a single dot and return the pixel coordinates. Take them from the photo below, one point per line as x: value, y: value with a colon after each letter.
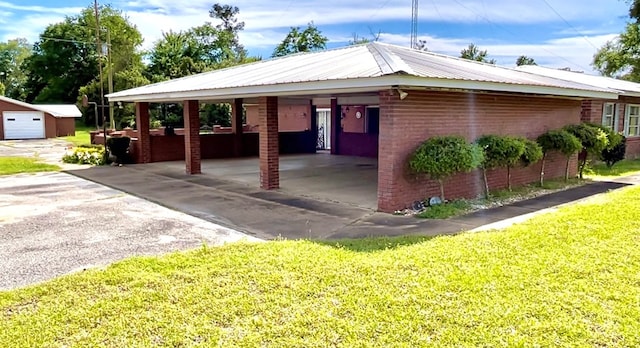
x: 608, y: 115
x: 632, y: 123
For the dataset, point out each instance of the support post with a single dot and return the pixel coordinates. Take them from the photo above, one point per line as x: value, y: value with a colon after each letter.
x: 269, y: 147
x: 314, y: 126
x: 144, y: 139
x: 336, y: 126
x: 236, y: 126
x: 192, y: 151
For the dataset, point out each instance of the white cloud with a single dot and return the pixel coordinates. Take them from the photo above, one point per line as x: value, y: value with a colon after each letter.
x: 268, y: 22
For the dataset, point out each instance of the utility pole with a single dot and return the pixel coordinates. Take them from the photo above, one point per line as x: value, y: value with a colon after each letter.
x: 414, y: 24
x: 99, y: 51
x: 112, y: 122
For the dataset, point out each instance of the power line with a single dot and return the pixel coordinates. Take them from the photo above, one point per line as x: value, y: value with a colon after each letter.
x: 571, y: 26
x: 515, y: 35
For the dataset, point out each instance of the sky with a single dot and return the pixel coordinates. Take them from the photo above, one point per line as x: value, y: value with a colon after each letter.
x: 556, y: 33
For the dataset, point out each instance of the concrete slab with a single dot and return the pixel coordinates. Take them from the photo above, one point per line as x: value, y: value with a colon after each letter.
x: 52, y: 224
x: 324, y: 177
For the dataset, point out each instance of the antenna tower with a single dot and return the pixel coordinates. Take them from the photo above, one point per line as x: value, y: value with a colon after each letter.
x: 414, y: 24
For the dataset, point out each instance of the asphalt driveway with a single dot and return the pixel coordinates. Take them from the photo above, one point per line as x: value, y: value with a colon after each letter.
x: 52, y: 224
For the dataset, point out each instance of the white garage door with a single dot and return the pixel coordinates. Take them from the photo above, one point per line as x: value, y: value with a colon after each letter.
x: 23, y: 124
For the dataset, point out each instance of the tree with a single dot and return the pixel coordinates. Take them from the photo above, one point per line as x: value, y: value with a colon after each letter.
x: 499, y: 151
x: 64, y: 63
x: 593, y: 139
x: 441, y: 157
x: 308, y: 40
x: 620, y: 57
x: 12, y: 54
x: 561, y: 141
x: 472, y: 52
x: 524, y: 60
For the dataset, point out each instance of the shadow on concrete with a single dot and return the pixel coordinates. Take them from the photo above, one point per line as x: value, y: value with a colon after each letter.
x: 277, y: 214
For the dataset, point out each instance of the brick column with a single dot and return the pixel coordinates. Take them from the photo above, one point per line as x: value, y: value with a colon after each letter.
x: 314, y: 126
x: 144, y: 140
x: 192, y: 136
x: 390, y: 164
x: 336, y: 125
x: 236, y: 126
x: 269, y: 148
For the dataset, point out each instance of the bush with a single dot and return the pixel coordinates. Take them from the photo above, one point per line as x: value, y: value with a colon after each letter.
x: 85, y: 155
x: 532, y: 152
x: 561, y: 141
x: 612, y: 155
x: 441, y: 157
x: 594, y: 140
x: 499, y: 151
x: 119, y: 147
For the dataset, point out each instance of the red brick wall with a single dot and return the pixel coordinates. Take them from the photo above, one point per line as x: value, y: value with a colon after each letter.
x: 404, y: 124
x: 65, y: 126
x: 350, y: 123
x: 290, y: 117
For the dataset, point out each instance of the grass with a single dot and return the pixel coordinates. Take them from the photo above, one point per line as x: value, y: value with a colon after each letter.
x: 600, y: 171
x: 566, y: 279
x: 497, y: 198
x: 17, y: 165
x: 82, y: 136
x: 445, y: 211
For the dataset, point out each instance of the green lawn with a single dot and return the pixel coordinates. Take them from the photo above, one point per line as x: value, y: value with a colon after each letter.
x: 600, y: 170
x: 570, y: 278
x: 82, y: 136
x: 16, y: 165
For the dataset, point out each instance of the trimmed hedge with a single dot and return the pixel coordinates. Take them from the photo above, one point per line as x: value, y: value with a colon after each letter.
x: 442, y: 157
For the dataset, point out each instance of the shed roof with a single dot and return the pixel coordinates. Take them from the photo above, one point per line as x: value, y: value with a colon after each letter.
x: 56, y: 110
x: 360, y: 68
x: 625, y: 87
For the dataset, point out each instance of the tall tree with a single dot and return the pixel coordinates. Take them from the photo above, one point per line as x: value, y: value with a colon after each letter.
x: 620, y: 57
x: 201, y: 48
x: 307, y: 40
x: 12, y: 54
x: 472, y: 52
x: 524, y: 60
x: 64, y: 63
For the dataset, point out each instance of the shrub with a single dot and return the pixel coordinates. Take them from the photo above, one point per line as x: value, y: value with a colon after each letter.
x: 119, y: 147
x: 532, y: 152
x: 593, y: 139
x: 85, y: 155
x: 614, y: 154
x: 561, y: 141
x: 441, y: 157
x: 499, y: 151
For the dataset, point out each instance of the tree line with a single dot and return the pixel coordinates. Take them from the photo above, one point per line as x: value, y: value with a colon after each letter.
x: 63, y: 64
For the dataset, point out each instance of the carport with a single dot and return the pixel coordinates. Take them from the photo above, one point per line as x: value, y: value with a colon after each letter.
x: 330, y: 178
x: 394, y: 96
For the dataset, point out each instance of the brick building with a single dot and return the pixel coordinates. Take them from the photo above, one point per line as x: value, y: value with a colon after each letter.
x: 22, y: 120
x: 374, y: 100
x: 622, y: 114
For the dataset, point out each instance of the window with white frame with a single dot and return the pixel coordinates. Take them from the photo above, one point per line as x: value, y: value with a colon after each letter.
x: 632, y: 123
x: 608, y: 115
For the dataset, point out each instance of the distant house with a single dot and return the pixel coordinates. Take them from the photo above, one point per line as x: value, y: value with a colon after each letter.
x: 374, y: 100
x: 36, y: 121
x: 621, y: 114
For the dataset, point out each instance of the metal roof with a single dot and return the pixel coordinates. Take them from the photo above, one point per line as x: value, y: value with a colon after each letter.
x: 60, y: 110
x: 361, y: 68
x: 56, y: 110
x: 626, y: 87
